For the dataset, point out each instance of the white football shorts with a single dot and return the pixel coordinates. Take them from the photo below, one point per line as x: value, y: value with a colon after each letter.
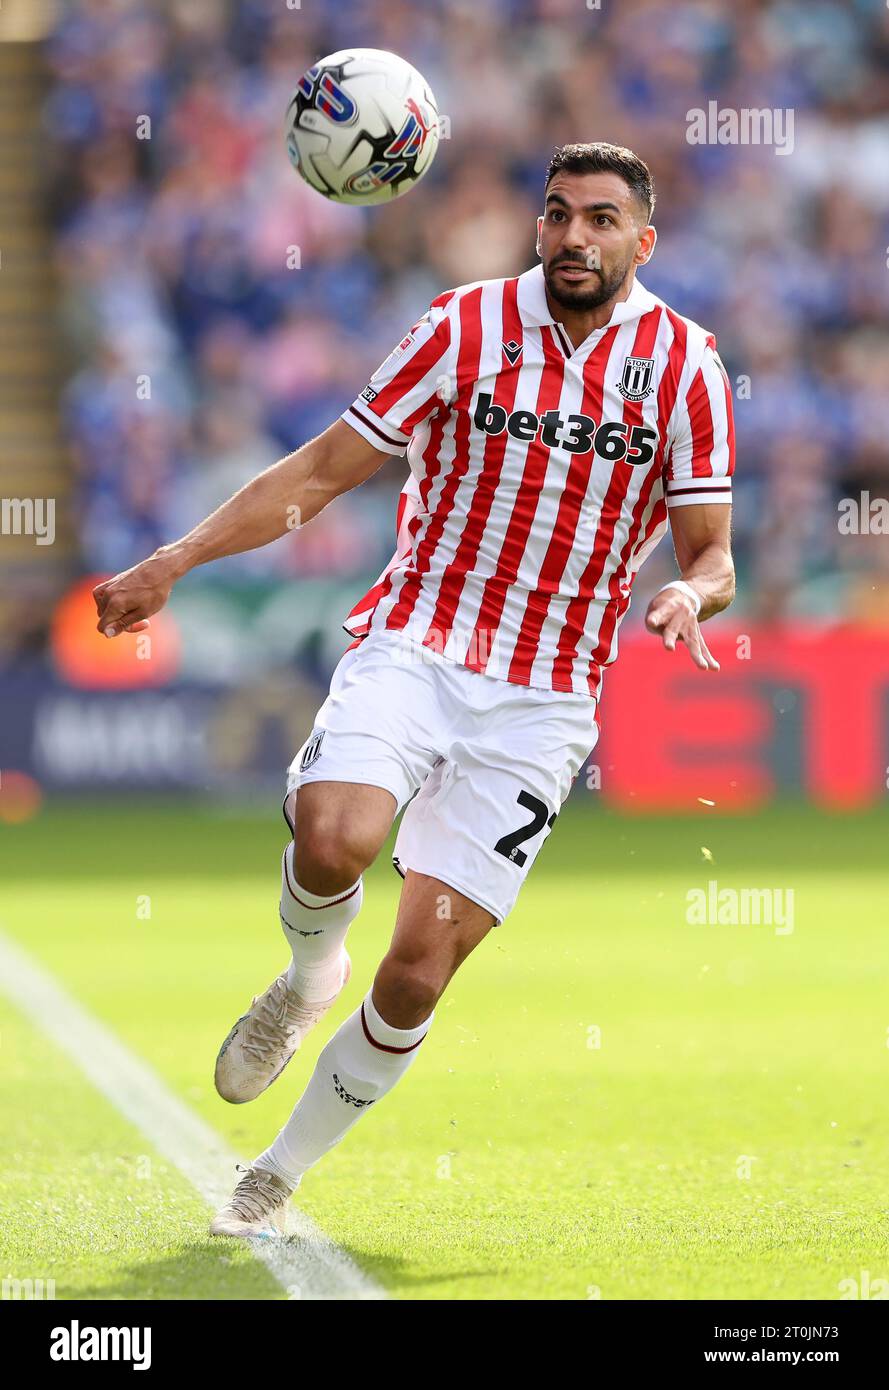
x: 488, y: 763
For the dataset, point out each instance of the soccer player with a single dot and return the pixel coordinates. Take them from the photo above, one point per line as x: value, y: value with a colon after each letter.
x: 553, y: 422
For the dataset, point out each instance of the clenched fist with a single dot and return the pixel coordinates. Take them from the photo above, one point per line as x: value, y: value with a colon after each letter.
x: 126, y: 602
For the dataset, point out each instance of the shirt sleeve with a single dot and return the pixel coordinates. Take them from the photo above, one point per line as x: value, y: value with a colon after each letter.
x: 702, y: 453
x: 408, y: 387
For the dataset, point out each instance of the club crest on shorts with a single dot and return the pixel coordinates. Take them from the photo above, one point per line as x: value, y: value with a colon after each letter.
x: 312, y: 750
x: 636, y: 383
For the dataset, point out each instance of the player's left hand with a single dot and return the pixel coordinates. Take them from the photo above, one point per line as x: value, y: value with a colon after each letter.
x: 672, y: 614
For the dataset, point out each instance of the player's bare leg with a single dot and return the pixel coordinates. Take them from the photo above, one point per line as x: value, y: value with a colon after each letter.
x: 436, y: 929
x: 339, y: 829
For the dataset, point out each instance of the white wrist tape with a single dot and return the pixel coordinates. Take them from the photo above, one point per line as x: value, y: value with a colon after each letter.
x: 686, y: 589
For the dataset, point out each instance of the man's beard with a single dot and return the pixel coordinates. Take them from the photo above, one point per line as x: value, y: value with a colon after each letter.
x: 605, y: 287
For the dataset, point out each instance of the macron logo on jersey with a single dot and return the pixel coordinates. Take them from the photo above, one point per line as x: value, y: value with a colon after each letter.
x: 512, y: 351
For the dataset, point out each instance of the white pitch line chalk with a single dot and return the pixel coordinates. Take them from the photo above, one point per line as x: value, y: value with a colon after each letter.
x: 307, y: 1264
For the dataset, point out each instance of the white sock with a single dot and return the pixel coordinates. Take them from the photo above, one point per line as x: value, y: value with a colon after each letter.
x: 362, y: 1061
x: 315, y: 929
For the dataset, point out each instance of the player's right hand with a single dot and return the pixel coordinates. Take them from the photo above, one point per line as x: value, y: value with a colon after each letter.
x: 126, y: 602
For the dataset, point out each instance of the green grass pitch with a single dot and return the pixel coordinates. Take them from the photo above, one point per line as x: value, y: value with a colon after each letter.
x: 612, y: 1103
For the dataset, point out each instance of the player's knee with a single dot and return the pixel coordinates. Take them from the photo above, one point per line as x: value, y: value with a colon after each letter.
x: 406, y: 991
x: 331, y: 853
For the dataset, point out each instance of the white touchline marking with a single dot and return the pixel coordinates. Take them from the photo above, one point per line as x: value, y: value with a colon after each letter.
x: 308, y: 1264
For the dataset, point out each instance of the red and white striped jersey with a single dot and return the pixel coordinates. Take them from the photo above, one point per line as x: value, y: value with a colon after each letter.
x: 540, y: 474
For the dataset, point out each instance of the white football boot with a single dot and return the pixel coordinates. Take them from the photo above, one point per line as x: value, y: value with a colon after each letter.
x: 257, y: 1207
x: 265, y: 1038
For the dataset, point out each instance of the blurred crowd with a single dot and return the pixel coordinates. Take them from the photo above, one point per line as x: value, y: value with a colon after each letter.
x: 197, y: 352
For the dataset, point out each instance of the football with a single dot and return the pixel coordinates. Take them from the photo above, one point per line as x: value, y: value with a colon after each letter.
x: 362, y: 126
